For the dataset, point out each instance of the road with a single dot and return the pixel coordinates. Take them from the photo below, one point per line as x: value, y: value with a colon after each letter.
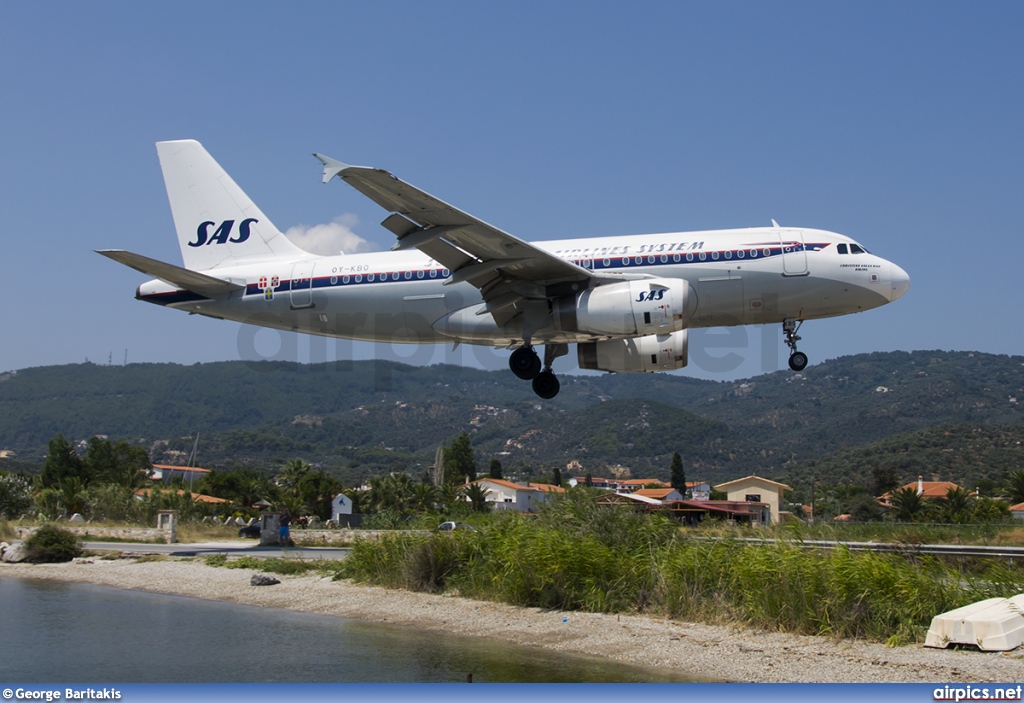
x: 232, y: 549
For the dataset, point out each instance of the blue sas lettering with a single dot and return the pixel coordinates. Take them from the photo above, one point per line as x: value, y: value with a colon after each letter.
x: 223, y: 233
x: 651, y: 295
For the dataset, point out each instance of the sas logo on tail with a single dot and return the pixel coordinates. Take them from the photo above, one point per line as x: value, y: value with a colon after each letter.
x: 223, y: 233
x: 651, y: 295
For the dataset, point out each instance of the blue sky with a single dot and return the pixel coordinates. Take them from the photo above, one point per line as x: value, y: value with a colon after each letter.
x: 897, y: 123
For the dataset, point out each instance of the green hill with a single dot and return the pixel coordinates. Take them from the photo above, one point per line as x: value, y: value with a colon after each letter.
x: 367, y: 416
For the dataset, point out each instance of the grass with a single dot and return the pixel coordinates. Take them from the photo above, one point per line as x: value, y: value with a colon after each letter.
x: 574, y: 558
x: 274, y: 565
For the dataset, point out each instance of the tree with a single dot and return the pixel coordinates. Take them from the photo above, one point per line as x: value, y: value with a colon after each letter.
x: 292, y: 474
x: 477, y: 496
x: 957, y: 505
x: 863, y: 508
x: 71, y: 495
x: 15, y: 496
x: 678, y: 474
x: 495, y: 470
x: 393, y: 492
x: 317, y: 489
x: 120, y: 464
x: 1015, y: 487
x: 884, y: 479
x: 425, y: 496
x: 907, y: 504
x: 556, y: 476
x: 459, y: 462
x: 62, y: 461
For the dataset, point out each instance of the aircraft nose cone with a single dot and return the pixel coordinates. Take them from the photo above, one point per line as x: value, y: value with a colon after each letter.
x: 900, y: 280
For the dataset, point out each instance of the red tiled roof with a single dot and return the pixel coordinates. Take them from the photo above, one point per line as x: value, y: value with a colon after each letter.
x: 546, y: 487
x: 658, y: 493
x: 197, y: 497
x: 172, y: 467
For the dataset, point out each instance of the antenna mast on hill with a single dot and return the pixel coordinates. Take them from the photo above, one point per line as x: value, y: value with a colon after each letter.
x: 192, y: 462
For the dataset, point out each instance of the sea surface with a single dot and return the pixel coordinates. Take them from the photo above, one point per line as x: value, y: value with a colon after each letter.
x: 56, y: 632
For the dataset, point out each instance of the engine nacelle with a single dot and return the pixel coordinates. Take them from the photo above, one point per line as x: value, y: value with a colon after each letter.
x: 627, y: 309
x: 655, y: 352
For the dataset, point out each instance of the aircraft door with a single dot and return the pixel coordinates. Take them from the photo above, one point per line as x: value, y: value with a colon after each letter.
x: 302, y: 285
x: 794, y: 256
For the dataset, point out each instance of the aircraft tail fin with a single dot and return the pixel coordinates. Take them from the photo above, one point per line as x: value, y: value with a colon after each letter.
x: 218, y: 225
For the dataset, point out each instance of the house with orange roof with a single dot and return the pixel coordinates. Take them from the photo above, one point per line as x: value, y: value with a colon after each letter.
x: 661, y: 494
x: 166, y: 472
x: 524, y: 498
x: 929, y: 490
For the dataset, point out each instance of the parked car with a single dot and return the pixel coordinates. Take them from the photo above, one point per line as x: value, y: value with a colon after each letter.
x: 252, y: 530
x: 450, y: 526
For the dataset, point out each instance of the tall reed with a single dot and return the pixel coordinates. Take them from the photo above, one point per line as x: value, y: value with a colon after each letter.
x: 573, y: 557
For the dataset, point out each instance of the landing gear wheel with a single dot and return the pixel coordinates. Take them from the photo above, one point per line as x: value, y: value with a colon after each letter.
x: 546, y: 385
x: 798, y: 361
x: 525, y: 363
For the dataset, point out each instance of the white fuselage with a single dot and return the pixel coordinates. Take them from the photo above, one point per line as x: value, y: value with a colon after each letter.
x: 736, y: 277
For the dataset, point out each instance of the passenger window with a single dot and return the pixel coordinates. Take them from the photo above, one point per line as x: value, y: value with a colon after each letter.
x: 841, y: 248
x: 854, y: 249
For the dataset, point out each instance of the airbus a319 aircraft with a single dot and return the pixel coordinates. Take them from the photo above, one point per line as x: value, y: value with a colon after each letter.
x: 626, y: 302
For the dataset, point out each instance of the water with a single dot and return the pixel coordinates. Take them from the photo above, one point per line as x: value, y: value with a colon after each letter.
x: 54, y: 632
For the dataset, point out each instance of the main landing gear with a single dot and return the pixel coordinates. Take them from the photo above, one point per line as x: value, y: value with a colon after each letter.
x: 525, y: 364
x: 797, y: 359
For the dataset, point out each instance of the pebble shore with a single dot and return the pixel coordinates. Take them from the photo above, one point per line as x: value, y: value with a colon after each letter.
x: 704, y: 652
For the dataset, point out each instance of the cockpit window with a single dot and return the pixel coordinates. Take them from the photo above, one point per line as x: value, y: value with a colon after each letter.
x: 841, y: 248
x: 855, y: 249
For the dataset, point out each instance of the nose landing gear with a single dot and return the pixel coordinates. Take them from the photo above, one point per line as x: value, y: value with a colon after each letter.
x: 797, y: 359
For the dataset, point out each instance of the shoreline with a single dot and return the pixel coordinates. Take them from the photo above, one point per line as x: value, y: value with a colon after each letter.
x: 703, y: 652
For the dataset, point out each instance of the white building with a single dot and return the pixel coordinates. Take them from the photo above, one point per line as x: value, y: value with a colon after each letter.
x: 505, y: 495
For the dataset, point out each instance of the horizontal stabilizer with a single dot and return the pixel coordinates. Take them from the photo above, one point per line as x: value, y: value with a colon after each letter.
x: 175, y: 275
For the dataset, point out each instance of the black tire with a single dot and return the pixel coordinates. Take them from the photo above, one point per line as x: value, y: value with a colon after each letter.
x: 546, y: 385
x: 798, y: 361
x: 525, y: 363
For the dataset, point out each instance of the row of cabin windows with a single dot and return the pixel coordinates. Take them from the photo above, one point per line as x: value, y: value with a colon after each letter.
x: 854, y: 249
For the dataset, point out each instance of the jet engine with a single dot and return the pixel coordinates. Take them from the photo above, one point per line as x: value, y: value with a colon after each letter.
x: 627, y: 309
x: 654, y: 352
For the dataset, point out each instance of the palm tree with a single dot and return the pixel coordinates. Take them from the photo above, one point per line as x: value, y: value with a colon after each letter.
x: 71, y: 494
x: 292, y: 473
x: 958, y: 503
x: 424, y: 497
x: 477, y: 495
x: 1015, y: 486
x: 394, y: 491
x: 906, y: 503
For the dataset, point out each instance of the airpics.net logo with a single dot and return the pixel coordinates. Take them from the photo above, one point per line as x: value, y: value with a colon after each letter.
x: 978, y: 693
x: 714, y: 351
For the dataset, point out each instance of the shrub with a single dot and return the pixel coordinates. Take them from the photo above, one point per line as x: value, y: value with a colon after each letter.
x: 15, y: 496
x: 52, y: 544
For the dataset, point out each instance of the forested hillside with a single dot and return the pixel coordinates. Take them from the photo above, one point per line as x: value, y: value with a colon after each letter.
x: 364, y: 417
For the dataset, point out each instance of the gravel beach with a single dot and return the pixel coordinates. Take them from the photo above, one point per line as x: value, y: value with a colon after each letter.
x: 703, y: 651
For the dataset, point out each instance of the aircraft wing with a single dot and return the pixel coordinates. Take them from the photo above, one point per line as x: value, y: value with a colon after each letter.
x: 505, y: 268
x: 175, y: 275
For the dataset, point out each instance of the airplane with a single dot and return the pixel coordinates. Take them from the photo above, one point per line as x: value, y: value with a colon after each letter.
x: 626, y: 302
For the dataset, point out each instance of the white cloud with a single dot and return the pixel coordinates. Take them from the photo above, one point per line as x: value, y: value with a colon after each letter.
x: 330, y: 239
